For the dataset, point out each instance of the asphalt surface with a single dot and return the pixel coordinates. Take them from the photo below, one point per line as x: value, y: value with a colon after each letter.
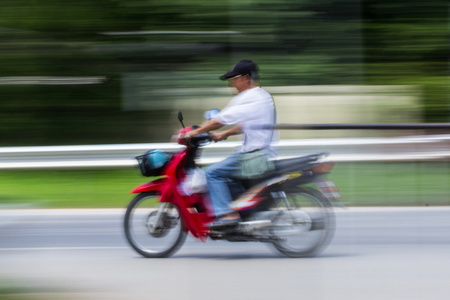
x: 377, y: 253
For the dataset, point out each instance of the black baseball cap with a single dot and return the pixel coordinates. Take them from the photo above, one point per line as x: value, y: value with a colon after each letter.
x: 243, y: 67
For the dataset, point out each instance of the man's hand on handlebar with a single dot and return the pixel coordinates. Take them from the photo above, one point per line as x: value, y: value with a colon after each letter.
x: 189, y: 134
x: 203, y: 132
x: 219, y: 136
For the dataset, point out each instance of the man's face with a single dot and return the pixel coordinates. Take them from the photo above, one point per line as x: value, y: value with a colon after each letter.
x: 239, y: 82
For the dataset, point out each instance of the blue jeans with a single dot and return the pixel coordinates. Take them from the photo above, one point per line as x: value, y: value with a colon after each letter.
x: 221, y: 184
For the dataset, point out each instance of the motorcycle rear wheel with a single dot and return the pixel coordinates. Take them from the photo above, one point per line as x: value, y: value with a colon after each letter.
x: 312, y: 219
x: 150, y: 241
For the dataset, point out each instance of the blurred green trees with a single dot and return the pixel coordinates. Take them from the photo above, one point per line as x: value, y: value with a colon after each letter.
x: 298, y: 42
x: 407, y: 42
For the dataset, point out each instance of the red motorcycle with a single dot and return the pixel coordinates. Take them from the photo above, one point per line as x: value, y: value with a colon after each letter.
x: 290, y: 209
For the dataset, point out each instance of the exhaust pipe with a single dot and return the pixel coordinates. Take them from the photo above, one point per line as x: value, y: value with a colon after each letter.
x: 250, y: 226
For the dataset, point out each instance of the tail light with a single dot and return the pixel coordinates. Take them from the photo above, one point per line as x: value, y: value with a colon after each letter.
x: 325, y: 167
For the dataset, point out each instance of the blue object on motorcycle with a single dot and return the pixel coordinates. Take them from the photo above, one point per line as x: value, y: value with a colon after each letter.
x: 157, y: 158
x: 152, y: 162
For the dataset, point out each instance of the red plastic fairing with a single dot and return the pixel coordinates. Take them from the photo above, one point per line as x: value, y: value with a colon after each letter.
x: 155, y: 185
x: 181, y: 132
x: 184, y: 130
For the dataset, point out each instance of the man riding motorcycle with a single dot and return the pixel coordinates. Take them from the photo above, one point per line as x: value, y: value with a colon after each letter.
x: 250, y: 108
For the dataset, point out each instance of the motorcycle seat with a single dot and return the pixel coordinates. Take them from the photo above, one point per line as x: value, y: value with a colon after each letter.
x: 287, y: 165
x: 283, y: 166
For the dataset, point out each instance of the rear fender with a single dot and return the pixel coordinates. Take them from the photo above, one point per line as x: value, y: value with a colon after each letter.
x: 155, y: 185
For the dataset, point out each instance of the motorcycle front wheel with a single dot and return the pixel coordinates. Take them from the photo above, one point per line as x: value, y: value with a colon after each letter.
x: 305, y: 223
x: 151, y: 232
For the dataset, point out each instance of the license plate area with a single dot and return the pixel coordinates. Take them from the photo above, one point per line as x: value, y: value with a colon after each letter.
x: 329, y: 189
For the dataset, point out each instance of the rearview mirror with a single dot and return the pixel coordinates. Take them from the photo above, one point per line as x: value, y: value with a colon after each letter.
x: 180, y: 117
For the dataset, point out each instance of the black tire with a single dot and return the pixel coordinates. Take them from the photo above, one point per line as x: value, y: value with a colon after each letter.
x: 165, y: 240
x: 316, y: 232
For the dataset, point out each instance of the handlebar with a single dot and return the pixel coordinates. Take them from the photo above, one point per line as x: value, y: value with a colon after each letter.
x: 203, y: 137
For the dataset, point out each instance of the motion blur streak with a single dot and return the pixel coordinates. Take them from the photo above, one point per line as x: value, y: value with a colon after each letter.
x: 415, y: 148
x: 325, y: 62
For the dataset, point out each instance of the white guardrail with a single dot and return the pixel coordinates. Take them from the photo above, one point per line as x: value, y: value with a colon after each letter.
x: 412, y: 148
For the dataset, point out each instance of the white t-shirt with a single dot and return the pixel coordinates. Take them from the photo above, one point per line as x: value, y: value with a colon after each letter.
x: 251, y: 109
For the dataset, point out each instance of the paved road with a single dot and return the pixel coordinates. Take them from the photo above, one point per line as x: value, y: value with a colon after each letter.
x: 82, y: 254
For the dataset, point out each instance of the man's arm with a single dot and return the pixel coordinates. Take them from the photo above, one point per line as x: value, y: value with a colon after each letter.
x: 219, y: 136
x: 205, y: 127
x: 213, y: 125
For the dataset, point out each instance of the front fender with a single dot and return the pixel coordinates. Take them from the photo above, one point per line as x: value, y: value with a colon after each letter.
x: 155, y: 185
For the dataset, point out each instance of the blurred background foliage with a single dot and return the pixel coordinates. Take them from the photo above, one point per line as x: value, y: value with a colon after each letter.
x: 296, y: 42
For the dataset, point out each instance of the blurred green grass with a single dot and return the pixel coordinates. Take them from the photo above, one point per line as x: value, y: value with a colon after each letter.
x: 362, y: 184
x: 69, y: 188
x: 394, y: 183
x: 17, y: 289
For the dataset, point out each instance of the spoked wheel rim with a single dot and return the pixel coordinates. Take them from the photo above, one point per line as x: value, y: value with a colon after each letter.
x: 305, y: 227
x: 148, y: 238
